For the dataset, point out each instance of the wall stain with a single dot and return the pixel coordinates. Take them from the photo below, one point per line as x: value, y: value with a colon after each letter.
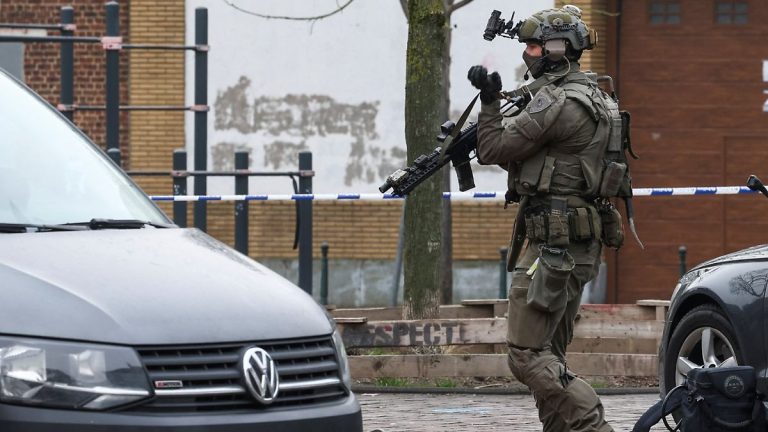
x: 294, y: 118
x: 280, y: 153
x: 223, y: 155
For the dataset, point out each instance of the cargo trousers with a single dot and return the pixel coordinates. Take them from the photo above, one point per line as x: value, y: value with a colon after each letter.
x: 538, y: 339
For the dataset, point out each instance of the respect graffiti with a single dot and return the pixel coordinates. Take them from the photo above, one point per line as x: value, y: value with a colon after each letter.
x: 404, y: 334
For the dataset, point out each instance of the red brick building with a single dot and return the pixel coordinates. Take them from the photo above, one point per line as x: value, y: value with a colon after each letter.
x: 41, y: 60
x: 692, y: 74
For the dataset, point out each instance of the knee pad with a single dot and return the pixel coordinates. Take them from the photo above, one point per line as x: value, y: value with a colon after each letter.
x: 515, y: 364
x: 526, y: 363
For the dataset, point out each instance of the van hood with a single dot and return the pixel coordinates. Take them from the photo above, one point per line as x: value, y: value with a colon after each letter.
x: 146, y: 287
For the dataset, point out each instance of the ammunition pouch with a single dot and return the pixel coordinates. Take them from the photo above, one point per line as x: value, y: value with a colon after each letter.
x: 548, y: 289
x: 530, y: 174
x: 559, y: 230
x: 612, y: 226
x: 613, y: 177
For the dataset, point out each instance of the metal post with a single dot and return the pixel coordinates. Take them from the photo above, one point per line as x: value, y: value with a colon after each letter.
x: 503, y: 273
x: 324, y: 274
x: 241, y: 207
x: 305, y: 222
x: 114, y: 154
x: 66, y: 92
x: 682, y: 251
x: 113, y: 82
x: 201, y: 116
x: 399, y: 258
x: 180, y: 187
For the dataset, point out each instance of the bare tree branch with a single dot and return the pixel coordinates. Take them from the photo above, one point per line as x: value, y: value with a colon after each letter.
x: 459, y: 5
x: 404, y: 5
x: 312, y: 18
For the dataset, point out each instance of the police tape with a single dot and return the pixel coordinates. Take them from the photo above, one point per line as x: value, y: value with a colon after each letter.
x: 459, y: 196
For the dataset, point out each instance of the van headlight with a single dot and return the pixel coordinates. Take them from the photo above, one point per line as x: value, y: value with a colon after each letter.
x: 69, y: 375
x: 341, y: 354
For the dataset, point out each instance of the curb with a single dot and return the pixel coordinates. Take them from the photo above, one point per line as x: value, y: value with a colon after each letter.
x: 490, y: 390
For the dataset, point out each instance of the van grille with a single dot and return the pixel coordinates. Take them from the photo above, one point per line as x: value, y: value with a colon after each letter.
x: 211, y: 378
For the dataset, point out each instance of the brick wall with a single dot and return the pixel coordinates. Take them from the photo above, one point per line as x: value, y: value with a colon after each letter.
x: 360, y: 230
x: 595, y: 14
x: 42, y: 65
x: 157, y: 78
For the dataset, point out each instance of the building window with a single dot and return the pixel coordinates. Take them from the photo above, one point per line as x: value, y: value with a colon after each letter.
x: 731, y: 12
x: 664, y: 12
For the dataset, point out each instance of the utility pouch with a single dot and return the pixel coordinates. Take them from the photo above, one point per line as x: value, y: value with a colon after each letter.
x: 613, y: 176
x: 530, y: 173
x: 539, y: 227
x: 530, y: 228
x: 548, y: 289
x: 583, y: 226
x: 612, y: 227
x: 558, y: 230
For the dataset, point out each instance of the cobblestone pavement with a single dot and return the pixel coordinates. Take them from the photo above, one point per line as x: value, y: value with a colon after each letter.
x: 392, y: 412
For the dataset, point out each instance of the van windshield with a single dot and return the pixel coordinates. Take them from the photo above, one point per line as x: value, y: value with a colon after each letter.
x: 51, y: 174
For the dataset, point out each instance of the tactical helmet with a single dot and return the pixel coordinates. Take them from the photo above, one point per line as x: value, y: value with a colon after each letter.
x: 564, y: 23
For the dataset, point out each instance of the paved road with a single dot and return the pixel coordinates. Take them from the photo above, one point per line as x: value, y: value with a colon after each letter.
x: 432, y: 413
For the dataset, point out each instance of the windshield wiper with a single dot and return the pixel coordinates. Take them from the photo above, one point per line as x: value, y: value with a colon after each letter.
x: 25, y: 227
x: 96, y: 224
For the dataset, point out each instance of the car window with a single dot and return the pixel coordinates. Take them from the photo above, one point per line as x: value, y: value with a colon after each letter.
x: 51, y: 174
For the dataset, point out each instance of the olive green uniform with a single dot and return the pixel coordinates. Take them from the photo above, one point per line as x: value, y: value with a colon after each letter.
x: 553, y: 149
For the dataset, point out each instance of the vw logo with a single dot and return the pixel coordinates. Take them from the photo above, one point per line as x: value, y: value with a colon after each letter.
x: 260, y: 374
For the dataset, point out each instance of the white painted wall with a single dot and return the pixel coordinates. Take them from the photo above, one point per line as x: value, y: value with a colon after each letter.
x: 352, y: 58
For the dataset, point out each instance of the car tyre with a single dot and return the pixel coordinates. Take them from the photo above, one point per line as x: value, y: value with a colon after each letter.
x: 703, y: 338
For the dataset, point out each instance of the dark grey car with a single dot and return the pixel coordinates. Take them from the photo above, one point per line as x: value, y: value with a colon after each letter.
x: 113, y: 319
x: 716, y: 318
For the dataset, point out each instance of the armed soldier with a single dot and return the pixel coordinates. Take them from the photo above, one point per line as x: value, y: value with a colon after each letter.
x: 554, y: 154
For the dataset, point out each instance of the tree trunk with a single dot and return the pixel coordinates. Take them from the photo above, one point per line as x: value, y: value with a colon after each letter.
x: 446, y: 284
x: 426, y: 106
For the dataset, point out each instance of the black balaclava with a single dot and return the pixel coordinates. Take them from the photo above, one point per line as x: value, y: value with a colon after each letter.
x: 536, y: 65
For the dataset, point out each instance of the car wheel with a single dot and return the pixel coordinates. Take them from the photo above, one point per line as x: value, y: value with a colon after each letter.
x: 703, y: 338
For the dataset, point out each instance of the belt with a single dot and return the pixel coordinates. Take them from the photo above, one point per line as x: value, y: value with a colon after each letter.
x: 576, y: 225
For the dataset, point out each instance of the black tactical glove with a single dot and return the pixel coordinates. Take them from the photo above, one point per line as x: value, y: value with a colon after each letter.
x: 489, y: 85
x: 511, y: 196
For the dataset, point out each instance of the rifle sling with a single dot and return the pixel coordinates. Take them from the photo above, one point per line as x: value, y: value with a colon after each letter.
x: 447, y: 144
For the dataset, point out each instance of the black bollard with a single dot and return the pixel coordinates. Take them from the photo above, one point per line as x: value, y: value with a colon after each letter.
x: 180, y: 187
x: 305, y: 222
x: 503, y: 273
x: 682, y: 251
x: 324, y: 274
x: 241, y: 207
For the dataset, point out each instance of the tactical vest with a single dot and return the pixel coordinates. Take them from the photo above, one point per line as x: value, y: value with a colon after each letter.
x: 550, y: 172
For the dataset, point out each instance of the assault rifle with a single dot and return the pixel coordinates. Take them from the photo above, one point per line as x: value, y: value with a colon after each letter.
x: 457, y: 148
